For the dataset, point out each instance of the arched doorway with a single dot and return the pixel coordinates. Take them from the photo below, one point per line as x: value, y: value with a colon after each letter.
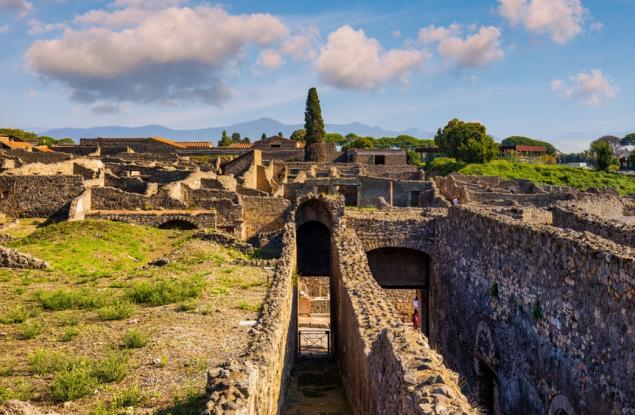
x: 314, y: 249
x: 178, y: 224
x: 403, y: 274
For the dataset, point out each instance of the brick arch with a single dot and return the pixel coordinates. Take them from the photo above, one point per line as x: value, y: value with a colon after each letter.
x: 560, y: 405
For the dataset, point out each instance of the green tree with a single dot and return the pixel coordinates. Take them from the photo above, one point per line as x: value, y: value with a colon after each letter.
x: 517, y: 140
x: 629, y: 139
x: 631, y: 160
x: 263, y: 136
x: 65, y: 141
x: 236, y: 138
x: 334, y: 138
x: 603, y: 155
x: 361, y: 142
x: 21, y: 134
x: 313, y: 122
x: 414, y: 158
x: 246, y: 140
x: 466, y: 141
x: 225, y: 141
x: 298, y: 135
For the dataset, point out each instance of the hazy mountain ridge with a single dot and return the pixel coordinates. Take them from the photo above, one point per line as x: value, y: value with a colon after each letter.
x: 252, y: 129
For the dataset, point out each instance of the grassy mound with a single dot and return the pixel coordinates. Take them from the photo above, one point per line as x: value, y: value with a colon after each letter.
x: 81, y: 248
x: 553, y: 174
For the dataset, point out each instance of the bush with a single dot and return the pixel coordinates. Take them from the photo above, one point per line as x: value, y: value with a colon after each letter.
x: 135, y: 339
x: 65, y: 299
x: 188, y: 305
x: 442, y: 166
x: 16, y: 315
x: 116, y: 311
x: 30, y: 330
x: 110, y: 368
x: 69, y: 334
x: 72, y: 384
x: 166, y: 291
x: 43, y: 361
x: 127, y: 397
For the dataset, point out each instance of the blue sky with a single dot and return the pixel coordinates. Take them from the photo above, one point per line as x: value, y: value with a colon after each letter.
x: 553, y: 69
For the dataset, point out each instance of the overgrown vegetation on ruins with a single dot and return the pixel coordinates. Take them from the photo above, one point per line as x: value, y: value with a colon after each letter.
x: 105, y: 329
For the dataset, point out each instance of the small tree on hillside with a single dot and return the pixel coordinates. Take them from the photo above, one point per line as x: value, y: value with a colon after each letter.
x: 298, y: 135
x: 263, y: 136
x: 603, y: 155
x: 466, y: 141
x: 225, y: 141
x: 246, y: 140
x: 313, y: 122
x: 236, y: 138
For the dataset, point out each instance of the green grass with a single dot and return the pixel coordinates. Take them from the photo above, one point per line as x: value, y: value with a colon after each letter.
x: 16, y: 315
x: 30, y: 330
x: 135, y: 339
x: 245, y: 306
x: 69, y: 385
x: 111, y: 368
x: 69, y: 334
x: 94, y: 247
x: 554, y: 174
x: 166, y: 290
x: 67, y: 298
x: 117, y: 311
x: 127, y: 397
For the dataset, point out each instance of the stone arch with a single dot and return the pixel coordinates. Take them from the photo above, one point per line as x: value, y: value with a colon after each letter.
x: 485, y: 363
x: 404, y: 243
x: 560, y: 405
x: 178, y: 223
x: 328, y: 210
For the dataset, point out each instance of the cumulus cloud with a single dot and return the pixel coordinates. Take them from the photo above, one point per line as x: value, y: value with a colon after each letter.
x: 269, y: 59
x: 302, y: 46
x: 167, y: 55
x: 36, y: 27
x: 561, y: 20
x: 22, y: 7
x: 592, y: 87
x: 351, y: 60
x: 476, y: 50
x: 433, y: 34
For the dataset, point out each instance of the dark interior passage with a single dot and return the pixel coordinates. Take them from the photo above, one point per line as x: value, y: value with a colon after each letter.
x: 178, y: 224
x: 314, y: 249
x: 399, y: 267
x: 487, y: 388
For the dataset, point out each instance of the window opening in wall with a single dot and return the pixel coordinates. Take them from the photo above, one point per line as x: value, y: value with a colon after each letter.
x: 560, y: 412
x: 275, y: 146
x: 414, y: 199
x: 380, y: 159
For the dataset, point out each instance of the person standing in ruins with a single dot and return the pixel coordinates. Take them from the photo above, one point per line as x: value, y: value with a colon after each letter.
x: 456, y: 201
x: 415, y: 303
x: 415, y: 320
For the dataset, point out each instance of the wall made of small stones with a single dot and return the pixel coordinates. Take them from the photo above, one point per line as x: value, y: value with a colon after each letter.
x: 256, y: 383
x: 109, y: 198
x: 617, y: 231
x: 10, y: 258
x: 38, y: 196
x: 386, y: 366
x: 263, y: 214
x: 558, y: 305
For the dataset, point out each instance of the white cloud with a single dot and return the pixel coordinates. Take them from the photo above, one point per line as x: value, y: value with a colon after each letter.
x: 22, y: 7
x: 592, y: 87
x: 148, y: 4
x: 36, y: 27
x: 351, y: 60
x: 302, y: 46
x: 269, y: 59
x: 433, y: 34
x: 561, y: 20
x: 476, y: 50
x: 167, y: 55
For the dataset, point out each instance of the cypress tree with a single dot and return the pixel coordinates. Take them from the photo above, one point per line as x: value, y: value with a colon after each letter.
x: 225, y: 141
x: 313, y: 123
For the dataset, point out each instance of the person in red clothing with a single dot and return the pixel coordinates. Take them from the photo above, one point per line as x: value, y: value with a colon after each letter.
x: 415, y: 320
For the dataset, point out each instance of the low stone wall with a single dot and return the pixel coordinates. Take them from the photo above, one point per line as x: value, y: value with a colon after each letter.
x: 386, y: 366
x: 200, y: 219
x: 109, y: 198
x: 255, y: 384
x: 571, y: 217
x: 38, y: 196
x: 26, y: 157
x: 263, y: 214
x: 548, y: 311
x: 10, y: 258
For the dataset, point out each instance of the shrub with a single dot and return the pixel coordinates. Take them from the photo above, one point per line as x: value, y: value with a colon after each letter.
x: 5, y: 394
x: 188, y: 305
x: 16, y: 315
x: 30, y: 330
x: 135, y: 339
x: 245, y: 306
x: 72, y: 384
x: 493, y: 290
x: 42, y: 361
x: 166, y: 291
x: 69, y: 334
x: 69, y: 319
x: 536, y: 310
x: 127, y: 397
x: 116, y: 311
x: 444, y: 165
x: 110, y: 368
x: 65, y: 299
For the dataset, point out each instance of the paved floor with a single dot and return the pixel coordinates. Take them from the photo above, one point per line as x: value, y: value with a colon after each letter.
x: 315, y: 388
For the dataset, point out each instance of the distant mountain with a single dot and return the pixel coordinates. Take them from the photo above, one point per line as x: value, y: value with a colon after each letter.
x: 252, y: 129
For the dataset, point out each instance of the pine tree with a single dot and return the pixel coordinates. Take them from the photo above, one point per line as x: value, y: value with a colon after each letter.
x: 313, y: 123
x: 225, y: 141
x: 263, y: 136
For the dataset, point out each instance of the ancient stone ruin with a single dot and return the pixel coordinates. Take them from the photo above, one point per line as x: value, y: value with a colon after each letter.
x: 525, y: 293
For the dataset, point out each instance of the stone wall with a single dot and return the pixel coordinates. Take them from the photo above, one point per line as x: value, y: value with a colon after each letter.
x: 256, y: 383
x: 548, y: 311
x: 37, y: 196
x: 109, y: 198
x: 10, y: 258
x: 571, y: 217
x: 263, y: 214
x: 386, y: 366
x: 34, y: 156
x: 200, y: 219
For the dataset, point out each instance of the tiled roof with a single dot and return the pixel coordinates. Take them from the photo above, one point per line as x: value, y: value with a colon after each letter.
x: 240, y: 145
x: 15, y: 144
x: 196, y: 144
x: 168, y: 142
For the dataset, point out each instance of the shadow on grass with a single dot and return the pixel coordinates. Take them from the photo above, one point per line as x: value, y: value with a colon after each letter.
x: 188, y: 405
